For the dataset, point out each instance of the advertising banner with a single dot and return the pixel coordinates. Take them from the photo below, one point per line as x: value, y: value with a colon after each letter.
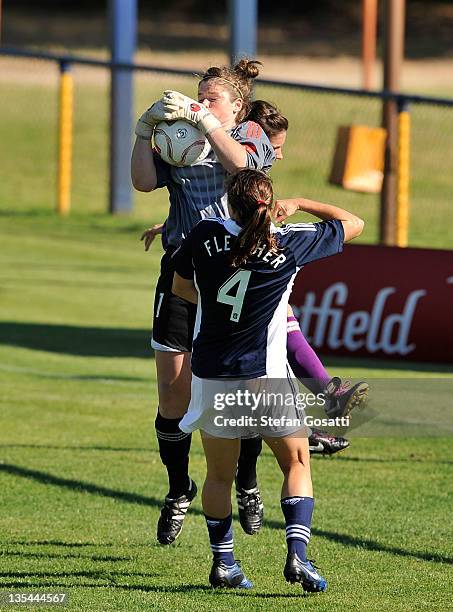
x: 378, y: 301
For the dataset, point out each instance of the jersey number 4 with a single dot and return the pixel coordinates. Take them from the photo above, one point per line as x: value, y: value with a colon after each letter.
x: 241, y: 279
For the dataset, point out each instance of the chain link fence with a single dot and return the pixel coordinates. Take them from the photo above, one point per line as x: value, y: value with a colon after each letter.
x: 28, y: 148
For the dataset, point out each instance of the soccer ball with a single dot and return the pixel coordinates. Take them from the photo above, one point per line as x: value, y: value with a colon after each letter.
x: 179, y: 143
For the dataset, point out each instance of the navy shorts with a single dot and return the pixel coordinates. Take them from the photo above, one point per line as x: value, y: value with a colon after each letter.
x: 174, y: 318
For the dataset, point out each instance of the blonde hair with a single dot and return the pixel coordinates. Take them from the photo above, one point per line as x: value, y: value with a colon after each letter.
x: 238, y: 81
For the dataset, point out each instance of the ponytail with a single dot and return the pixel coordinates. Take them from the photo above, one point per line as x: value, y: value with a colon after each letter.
x: 250, y: 197
x: 255, y: 233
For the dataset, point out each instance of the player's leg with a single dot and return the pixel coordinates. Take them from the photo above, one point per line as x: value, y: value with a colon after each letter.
x: 174, y: 375
x: 173, y: 382
x: 306, y: 365
x: 221, y: 461
x: 302, y: 358
x: 250, y: 506
x: 340, y: 397
x: 172, y: 341
x: 293, y: 457
x: 297, y: 503
x: 250, y: 451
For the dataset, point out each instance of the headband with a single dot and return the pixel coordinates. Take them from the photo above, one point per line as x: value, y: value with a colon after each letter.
x: 212, y: 76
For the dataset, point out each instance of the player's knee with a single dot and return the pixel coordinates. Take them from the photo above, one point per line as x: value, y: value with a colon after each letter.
x: 173, y: 403
x: 219, y: 478
x: 172, y: 408
x: 296, y: 464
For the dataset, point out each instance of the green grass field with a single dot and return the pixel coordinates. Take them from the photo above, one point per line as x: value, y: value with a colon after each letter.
x: 80, y: 476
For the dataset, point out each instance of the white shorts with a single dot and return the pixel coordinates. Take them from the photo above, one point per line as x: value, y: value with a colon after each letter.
x: 226, y: 408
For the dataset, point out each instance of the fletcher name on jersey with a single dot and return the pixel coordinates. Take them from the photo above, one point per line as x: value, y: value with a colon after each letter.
x: 213, y: 248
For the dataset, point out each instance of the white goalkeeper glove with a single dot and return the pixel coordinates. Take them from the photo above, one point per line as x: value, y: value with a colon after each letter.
x: 179, y: 106
x: 151, y: 117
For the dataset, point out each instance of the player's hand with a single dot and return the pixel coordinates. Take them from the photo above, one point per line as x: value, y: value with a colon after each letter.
x: 149, y: 234
x: 153, y: 115
x: 284, y: 209
x: 179, y: 106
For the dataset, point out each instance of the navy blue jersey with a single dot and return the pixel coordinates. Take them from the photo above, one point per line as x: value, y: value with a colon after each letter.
x: 198, y: 191
x: 241, y: 320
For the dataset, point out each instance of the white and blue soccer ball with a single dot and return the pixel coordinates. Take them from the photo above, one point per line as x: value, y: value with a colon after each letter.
x: 179, y: 143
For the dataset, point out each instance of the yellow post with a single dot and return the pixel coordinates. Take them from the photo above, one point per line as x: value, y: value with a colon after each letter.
x: 65, y: 140
x: 402, y: 199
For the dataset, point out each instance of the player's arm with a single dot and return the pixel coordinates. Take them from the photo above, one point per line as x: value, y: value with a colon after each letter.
x: 143, y: 169
x: 352, y: 224
x: 259, y: 153
x: 230, y: 153
x: 183, y: 277
x: 247, y: 147
x: 184, y: 288
x: 150, y: 233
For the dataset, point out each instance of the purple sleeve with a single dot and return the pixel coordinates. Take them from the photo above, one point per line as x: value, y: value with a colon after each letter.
x: 260, y: 153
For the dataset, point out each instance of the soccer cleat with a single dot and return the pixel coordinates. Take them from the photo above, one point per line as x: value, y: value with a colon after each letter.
x: 251, y: 509
x: 305, y: 573
x: 321, y: 443
x: 228, y: 576
x: 172, y: 515
x: 341, y: 398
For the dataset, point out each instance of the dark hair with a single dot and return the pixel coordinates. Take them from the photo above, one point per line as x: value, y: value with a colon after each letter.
x: 238, y: 81
x: 268, y: 117
x: 250, y: 196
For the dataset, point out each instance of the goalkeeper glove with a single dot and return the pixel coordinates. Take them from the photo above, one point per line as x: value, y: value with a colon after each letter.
x: 179, y: 106
x: 151, y: 117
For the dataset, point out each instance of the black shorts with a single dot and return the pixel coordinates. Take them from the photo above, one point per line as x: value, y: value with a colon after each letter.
x: 174, y: 318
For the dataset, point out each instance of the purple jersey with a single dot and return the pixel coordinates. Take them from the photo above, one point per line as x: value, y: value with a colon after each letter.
x: 198, y: 191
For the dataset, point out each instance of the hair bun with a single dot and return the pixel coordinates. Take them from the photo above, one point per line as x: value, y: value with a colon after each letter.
x: 248, y: 68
